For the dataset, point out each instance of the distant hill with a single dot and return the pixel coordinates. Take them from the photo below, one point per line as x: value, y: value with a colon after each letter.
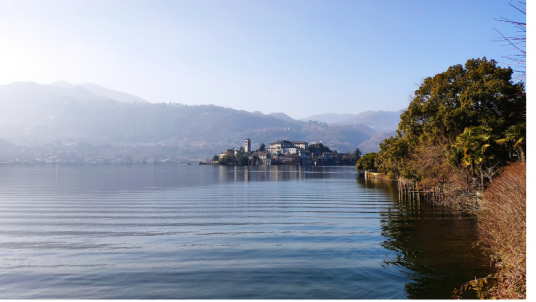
x: 185, y: 125
x: 103, y: 92
x: 199, y: 125
x: 330, y: 118
x: 115, y: 95
x: 31, y: 112
x: 373, y: 144
x: 24, y: 105
x: 281, y: 115
x: 378, y: 120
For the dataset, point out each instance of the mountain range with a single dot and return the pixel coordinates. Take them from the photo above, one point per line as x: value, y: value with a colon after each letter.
x: 37, y: 113
x: 378, y: 120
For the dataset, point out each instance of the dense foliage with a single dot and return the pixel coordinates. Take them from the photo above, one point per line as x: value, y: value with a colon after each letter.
x: 357, y: 154
x: 367, y: 161
x: 318, y: 148
x: 468, y: 117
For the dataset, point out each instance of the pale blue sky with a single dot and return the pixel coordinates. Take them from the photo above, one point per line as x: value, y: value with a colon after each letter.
x: 298, y: 57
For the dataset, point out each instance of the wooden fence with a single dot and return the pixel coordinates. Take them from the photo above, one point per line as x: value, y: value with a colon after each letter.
x: 416, y: 191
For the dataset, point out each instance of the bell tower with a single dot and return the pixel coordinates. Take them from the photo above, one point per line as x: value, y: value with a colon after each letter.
x: 247, y: 146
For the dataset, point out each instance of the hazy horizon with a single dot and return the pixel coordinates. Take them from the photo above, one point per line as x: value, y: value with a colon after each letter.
x: 300, y: 58
x: 65, y: 83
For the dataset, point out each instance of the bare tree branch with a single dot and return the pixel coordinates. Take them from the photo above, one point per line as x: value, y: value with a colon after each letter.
x: 519, y: 43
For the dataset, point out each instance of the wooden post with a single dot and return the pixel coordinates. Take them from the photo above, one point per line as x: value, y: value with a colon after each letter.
x: 425, y: 193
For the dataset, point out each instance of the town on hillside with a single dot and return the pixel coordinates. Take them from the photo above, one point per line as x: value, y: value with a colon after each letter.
x: 285, y: 152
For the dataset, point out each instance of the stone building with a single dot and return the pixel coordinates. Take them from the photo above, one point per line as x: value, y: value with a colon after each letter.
x: 247, y: 146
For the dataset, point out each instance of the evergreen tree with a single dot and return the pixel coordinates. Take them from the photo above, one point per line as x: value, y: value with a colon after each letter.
x: 357, y: 154
x: 479, y: 94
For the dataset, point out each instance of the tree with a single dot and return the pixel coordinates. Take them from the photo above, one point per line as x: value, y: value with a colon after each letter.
x: 367, y: 161
x: 357, y: 154
x: 243, y: 160
x: 261, y: 148
x: 394, y: 158
x: 253, y: 160
x: 476, y: 142
x: 215, y: 158
x: 516, y: 137
x: 318, y: 148
x: 428, y: 161
x: 477, y: 94
x: 225, y: 159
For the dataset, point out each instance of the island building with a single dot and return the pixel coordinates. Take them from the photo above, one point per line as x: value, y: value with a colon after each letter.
x: 239, y: 150
x: 287, y: 147
x: 285, y: 152
x: 247, y: 145
x: 305, y: 157
x: 229, y: 152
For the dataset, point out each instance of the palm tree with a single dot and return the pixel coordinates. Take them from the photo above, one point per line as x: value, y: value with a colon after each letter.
x: 475, y: 143
x: 515, y: 136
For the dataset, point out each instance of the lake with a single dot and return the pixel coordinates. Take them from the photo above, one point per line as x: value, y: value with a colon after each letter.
x: 175, y: 231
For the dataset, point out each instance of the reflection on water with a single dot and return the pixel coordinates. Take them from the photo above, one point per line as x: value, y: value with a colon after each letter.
x: 172, y: 231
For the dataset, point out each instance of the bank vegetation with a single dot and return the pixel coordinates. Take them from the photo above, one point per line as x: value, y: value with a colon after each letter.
x: 464, y: 135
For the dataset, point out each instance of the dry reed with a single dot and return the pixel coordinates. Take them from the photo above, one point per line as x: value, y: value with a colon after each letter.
x: 502, y: 231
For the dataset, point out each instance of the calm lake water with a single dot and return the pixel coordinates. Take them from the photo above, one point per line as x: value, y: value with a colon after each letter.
x: 177, y: 231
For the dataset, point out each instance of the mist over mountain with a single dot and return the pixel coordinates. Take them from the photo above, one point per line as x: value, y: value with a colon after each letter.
x: 103, y: 92
x: 112, y: 94
x: 330, y: 118
x: 186, y: 125
x: 63, y: 113
x: 24, y: 105
x: 373, y: 143
x: 281, y: 115
x: 382, y: 121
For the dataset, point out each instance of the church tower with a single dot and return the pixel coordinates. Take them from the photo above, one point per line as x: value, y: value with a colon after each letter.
x: 247, y: 145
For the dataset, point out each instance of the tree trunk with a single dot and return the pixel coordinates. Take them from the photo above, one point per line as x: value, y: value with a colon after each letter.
x: 481, y: 177
x: 522, y: 155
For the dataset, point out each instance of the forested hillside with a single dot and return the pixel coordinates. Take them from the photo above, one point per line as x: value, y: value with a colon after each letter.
x: 48, y: 113
x: 381, y: 121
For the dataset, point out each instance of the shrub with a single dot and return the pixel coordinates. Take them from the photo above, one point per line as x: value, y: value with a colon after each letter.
x: 502, y: 229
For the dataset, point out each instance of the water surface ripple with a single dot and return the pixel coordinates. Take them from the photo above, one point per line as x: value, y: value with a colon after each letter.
x: 177, y: 231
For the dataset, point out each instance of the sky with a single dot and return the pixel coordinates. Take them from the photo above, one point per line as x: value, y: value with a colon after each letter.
x: 293, y: 56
